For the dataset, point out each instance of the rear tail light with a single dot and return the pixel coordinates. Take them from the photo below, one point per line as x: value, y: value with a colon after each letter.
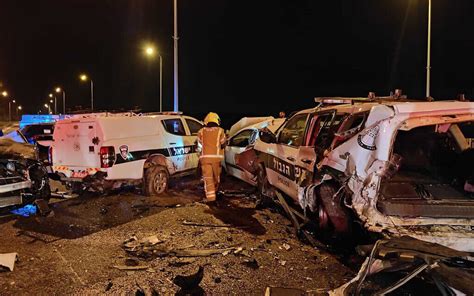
x: 50, y: 154
x: 107, y: 156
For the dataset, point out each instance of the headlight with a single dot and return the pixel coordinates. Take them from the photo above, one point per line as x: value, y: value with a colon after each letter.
x: 11, y: 166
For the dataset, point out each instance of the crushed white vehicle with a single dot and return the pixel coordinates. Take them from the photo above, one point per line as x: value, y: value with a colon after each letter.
x: 105, y: 151
x: 395, y: 166
x: 23, y: 179
x: 243, y: 135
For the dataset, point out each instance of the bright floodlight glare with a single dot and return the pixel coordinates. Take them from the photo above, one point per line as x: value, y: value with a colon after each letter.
x: 4, y: 93
x: 50, y: 95
x: 83, y: 77
x: 58, y: 89
x: 51, y: 101
x: 150, y: 51
x: 19, y: 107
x: 14, y: 101
x: 46, y: 105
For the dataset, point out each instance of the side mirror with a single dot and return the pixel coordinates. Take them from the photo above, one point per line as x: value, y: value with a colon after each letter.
x: 267, y: 136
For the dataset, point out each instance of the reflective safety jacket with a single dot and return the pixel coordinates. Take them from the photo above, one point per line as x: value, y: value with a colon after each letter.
x: 210, y: 143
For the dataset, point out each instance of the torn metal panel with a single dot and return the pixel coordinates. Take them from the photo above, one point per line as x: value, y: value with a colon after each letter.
x: 8, y: 260
x: 452, y: 268
x: 247, y: 160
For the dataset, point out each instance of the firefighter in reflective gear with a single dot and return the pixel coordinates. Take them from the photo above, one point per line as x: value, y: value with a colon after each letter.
x: 211, y: 141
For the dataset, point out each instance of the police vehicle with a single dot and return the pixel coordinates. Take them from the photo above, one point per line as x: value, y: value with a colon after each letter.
x: 395, y: 166
x: 105, y: 151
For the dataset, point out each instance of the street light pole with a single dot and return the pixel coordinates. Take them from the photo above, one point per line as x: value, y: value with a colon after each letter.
x: 92, y: 96
x: 428, y: 55
x: 175, y: 38
x: 150, y: 53
x: 9, y: 110
x: 161, y: 83
x: 84, y: 78
x: 58, y: 90
x: 64, y: 102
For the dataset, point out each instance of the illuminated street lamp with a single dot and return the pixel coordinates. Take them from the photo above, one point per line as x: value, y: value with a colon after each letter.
x: 5, y: 95
x: 150, y: 53
x: 58, y: 90
x: 48, y: 107
x: 55, y: 103
x: 83, y: 77
x: 19, y: 108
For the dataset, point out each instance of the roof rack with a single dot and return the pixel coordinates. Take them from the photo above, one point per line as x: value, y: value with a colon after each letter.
x: 164, y: 113
x: 394, y: 96
x: 102, y: 114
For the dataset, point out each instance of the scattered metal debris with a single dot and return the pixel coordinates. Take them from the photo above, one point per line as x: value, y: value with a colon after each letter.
x: 125, y: 267
x: 189, y: 283
x: 451, y: 270
x: 151, y: 247
x: 278, y: 291
x: 7, y: 261
x: 251, y: 263
x: 189, y: 223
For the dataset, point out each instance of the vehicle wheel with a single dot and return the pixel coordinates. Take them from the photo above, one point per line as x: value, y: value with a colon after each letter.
x: 333, y: 218
x: 263, y: 188
x: 156, y: 180
x: 40, y: 183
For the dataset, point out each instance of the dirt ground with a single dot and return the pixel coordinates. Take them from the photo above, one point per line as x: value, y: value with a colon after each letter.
x: 74, y: 250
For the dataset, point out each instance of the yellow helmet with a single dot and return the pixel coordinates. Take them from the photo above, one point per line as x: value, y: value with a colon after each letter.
x: 212, y: 117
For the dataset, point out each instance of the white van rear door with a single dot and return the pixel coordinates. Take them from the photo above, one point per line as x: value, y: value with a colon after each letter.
x: 74, y: 144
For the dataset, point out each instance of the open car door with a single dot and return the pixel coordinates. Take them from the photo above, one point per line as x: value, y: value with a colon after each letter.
x: 318, y: 137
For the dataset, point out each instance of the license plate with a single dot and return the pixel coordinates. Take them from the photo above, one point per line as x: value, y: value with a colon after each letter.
x: 80, y: 174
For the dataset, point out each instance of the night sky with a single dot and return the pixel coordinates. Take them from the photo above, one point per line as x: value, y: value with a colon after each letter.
x: 237, y: 57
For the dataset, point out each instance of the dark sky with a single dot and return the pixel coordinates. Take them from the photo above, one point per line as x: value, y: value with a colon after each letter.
x: 237, y: 57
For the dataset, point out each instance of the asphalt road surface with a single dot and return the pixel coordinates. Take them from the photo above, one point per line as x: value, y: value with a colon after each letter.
x: 75, y: 249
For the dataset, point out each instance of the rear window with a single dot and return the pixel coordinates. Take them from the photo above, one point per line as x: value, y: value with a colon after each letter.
x: 174, y: 126
x: 36, y: 132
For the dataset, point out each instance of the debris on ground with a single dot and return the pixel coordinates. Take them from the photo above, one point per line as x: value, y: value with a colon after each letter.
x: 150, y: 247
x: 286, y: 246
x: 251, y: 263
x: 109, y: 286
x: 278, y: 291
x: 236, y: 193
x: 189, y: 223
x: 26, y: 211
x: 43, y: 207
x: 7, y: 261
x: 452, y: 271
x: 126, y: 267
x: 189, y: 284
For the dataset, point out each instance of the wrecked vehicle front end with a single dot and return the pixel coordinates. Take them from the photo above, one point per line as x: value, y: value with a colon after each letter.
x: 22, y: 178
x: 410, y: 172
x: 396, y: 168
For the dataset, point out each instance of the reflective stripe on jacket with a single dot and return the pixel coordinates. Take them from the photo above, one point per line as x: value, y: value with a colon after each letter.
x: 210, y: 140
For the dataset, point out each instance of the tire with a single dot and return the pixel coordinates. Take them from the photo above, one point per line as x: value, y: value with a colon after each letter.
x: 263, y: 200
x: 40, y: 182
x: 333, y: 217
x: 156, y: 180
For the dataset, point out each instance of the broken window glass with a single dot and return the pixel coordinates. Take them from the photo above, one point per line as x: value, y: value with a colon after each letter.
x: 293, y: 132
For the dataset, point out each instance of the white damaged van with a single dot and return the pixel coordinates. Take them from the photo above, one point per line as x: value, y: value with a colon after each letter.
x: 106, y: 151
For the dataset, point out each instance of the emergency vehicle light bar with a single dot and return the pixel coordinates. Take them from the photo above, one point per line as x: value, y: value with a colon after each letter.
x: 165, y: 113
x: 340, y: 100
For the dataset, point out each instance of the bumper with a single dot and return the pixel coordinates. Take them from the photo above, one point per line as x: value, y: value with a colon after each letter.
x: 75, y: 174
